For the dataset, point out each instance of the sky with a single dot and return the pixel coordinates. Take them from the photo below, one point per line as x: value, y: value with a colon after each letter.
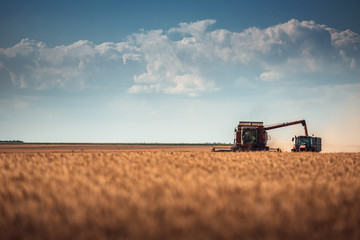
x: 178, y: 71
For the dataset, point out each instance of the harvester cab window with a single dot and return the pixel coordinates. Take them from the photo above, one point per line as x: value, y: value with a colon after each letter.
x: 249, y: 136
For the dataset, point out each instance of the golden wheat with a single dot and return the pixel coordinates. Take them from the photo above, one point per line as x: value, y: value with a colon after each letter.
x: 179, y: 195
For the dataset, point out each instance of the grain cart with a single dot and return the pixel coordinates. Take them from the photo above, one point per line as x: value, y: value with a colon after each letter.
x: 252, y: 136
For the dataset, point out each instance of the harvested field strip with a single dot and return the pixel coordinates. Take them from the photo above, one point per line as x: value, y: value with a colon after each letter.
x: 179, y: 195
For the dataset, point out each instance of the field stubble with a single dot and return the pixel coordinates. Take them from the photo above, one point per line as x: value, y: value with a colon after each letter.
x: 179, y: 195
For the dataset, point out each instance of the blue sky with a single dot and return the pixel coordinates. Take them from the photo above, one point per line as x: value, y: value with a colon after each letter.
x: 170, y: 71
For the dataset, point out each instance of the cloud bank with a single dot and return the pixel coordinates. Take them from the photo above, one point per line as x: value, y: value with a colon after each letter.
x: 177, y: 60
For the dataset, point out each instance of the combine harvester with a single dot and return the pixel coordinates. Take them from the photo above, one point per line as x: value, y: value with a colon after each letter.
x: 252, y: 136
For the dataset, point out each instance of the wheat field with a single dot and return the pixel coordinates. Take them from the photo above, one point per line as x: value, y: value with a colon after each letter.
x: 173, y: 194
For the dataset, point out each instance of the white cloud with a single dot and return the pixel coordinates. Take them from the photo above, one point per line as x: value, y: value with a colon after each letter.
x: 178, y: 60
x: 193, y: 28
x: 290, y: 48
x: 33, y: 64
x: 345, y: 38
x: 269, y: 76
x: 170, y: 65
x: 144, y: 88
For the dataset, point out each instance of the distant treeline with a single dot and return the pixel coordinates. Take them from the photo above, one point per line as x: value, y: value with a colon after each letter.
x: 11, y: 141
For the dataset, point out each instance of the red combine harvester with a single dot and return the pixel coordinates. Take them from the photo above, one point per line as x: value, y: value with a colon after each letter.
x: 252, y: 136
